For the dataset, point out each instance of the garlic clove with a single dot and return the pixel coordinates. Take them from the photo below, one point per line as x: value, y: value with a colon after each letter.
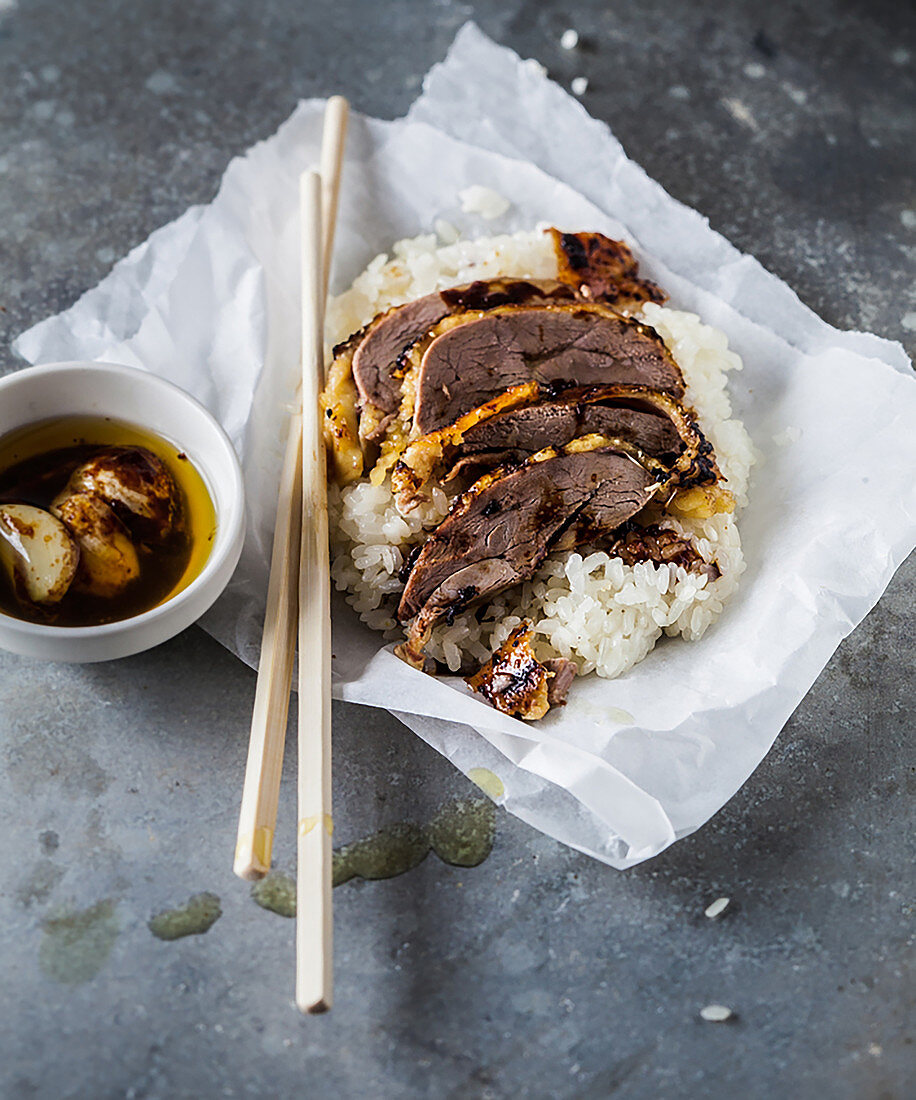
x: 108, y: 559
x: 137, y: 484
x: 37, y: 553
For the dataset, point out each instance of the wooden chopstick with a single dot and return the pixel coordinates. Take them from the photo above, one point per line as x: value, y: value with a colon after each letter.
x: 261, y: 790
x: 260, y: 793
x: 314, y: 925
x: 333, y: 137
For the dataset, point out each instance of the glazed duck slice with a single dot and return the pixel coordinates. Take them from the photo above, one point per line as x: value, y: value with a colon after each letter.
x: 500, y: 531
x: 364, y: 388
x: 468, y: 358
x: 377, y: 356
x: 526, y: 419
x: 514, y: 436
x: 590, y: 266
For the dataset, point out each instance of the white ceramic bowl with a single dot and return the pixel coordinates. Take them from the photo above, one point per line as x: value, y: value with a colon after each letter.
x: 124, y: 393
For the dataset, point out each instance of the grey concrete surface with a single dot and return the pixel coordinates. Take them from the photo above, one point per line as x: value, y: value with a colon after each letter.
x: 539, y: 973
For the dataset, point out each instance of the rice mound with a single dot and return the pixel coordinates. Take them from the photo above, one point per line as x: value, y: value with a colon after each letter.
x: 603, y: 614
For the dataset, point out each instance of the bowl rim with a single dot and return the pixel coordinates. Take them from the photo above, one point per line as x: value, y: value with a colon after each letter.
x: 228, y: 528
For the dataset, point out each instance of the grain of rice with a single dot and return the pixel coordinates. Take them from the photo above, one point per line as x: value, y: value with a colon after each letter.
x: 484, y: 201
x: 717, y: 908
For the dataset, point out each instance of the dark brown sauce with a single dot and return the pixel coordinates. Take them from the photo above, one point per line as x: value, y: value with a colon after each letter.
x: 36, y: 464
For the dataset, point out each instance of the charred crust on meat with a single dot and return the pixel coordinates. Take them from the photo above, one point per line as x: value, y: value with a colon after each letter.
x: 555, y: 386
x: 602, y: 269
x: 351, y: 341
x: 574, y: 249
x: 515, y: 682
x: 465, y: 596
x: 634, y: 543
x: 409, y: 561
x: 488, y: 294
x: 402, y: 362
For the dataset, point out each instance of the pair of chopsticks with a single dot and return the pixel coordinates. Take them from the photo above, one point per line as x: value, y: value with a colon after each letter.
x: 298, y: 594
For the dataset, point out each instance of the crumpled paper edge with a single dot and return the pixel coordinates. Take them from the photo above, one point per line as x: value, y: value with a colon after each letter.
x: 718, y: 266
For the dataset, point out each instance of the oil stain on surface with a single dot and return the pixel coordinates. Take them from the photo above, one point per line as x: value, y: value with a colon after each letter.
x: 198, y: 915
x: 389, y: 852
x: 49, y: 841
x: 461, y: 834
x: 54, y: 760
x: 276, y: 891
x: 44, y: 876
x: 77, y: 942
x: 489, y: 782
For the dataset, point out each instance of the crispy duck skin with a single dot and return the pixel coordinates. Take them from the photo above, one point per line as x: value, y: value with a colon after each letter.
x: 340, y: 419
x: 515, y: 682
x: 603, y: 270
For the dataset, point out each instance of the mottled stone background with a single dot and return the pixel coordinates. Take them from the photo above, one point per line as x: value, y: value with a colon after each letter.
x: 539, y: 973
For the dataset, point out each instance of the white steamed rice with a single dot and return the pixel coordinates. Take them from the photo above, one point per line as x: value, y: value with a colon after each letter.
x: 603, y: 614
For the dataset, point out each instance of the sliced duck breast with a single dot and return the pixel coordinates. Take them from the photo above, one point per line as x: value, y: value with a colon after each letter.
x: 468, y: 359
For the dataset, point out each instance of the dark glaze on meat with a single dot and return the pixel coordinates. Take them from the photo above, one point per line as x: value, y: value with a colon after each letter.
x: 635, y: 543
x: 576, y: 344
x: 489, y: 293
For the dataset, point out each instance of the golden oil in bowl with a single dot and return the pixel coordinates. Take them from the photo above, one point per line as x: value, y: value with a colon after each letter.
x: 36, y: 464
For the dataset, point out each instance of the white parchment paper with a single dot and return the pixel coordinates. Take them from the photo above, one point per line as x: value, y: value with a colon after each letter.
x: 629, y: 765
